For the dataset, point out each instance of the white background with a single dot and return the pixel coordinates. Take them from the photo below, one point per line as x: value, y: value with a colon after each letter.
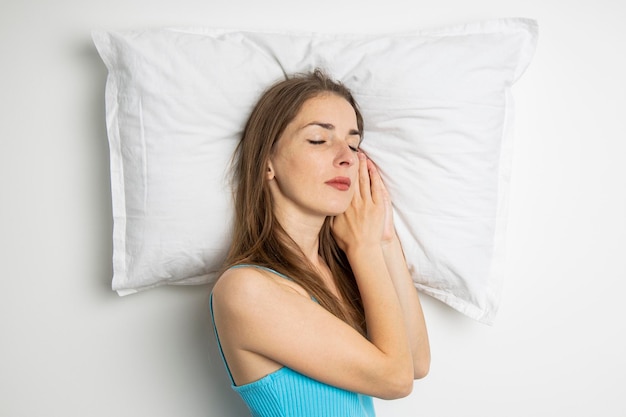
x: 71, y: 347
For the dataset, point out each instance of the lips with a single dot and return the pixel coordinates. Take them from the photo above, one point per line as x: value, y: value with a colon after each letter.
x: 340, y: 183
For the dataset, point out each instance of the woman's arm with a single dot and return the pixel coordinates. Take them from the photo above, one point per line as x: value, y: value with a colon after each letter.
x: 360, y: 232
x: 265, y: 323
x: 407, y: 294
x: 411, y: 306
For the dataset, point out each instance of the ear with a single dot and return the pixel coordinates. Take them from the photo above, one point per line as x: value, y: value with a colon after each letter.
x: 270, y: 171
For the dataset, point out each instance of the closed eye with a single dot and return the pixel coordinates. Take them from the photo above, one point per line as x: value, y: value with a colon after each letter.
x: 317, y: 142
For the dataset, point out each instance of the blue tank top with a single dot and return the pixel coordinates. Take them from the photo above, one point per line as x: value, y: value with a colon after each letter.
x: 287, y: 393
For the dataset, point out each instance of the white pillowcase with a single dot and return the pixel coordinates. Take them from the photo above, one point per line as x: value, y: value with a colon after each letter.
x: 437, y: 107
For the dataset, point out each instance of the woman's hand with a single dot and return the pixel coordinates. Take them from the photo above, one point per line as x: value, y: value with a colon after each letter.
x: 366, y: 221
x: 389, y: 230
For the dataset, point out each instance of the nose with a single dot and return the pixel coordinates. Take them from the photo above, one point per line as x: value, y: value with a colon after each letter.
x: 345, y: 155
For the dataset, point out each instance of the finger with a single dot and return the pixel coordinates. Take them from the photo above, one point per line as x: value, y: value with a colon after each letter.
x: 375, y: 167
x: 357, y: 183
x: 377, y: 187
x: 364, y: 177
x: 382, y: 183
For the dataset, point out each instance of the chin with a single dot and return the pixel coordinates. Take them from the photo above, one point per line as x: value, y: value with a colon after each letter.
x: 337, y: 209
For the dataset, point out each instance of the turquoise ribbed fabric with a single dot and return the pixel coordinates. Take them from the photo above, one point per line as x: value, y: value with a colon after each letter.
x: 287, y: 393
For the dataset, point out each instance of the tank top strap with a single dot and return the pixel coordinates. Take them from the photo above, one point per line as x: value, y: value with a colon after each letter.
x: 217, y: 338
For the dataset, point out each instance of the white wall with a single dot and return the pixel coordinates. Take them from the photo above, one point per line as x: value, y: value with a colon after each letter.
x: 71, y: 347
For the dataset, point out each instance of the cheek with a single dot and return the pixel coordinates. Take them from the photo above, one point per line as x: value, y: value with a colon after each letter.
x: 305, y: 167
x: 296, y: 173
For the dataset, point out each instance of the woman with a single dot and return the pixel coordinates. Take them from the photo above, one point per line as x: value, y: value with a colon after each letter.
x: 316, y: 312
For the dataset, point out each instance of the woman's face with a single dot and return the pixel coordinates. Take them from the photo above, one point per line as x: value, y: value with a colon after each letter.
x: 313, y: 167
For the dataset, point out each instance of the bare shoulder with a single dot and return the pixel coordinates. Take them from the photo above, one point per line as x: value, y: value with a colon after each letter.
x: 249, y: 286
x: 241, y: 284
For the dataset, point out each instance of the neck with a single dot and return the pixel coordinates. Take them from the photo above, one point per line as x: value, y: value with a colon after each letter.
x: 304, y: 230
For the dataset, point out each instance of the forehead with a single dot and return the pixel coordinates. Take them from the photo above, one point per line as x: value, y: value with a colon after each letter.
x: 327, y: 108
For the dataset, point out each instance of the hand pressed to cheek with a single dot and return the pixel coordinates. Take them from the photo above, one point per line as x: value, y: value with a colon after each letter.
x: 363, y: 222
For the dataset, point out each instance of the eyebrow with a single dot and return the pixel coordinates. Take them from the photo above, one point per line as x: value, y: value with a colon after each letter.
x: 330, y: 126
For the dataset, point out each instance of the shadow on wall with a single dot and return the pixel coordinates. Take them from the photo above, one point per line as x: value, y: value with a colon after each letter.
x: 96, y: 115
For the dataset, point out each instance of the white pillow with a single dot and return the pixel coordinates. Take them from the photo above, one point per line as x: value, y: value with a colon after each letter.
x: 437, y: 109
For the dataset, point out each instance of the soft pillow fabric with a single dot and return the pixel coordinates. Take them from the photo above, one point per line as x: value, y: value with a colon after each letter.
x: 437, y: 109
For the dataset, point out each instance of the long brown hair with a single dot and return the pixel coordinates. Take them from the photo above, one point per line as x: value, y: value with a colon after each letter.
x: 258, y: 238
